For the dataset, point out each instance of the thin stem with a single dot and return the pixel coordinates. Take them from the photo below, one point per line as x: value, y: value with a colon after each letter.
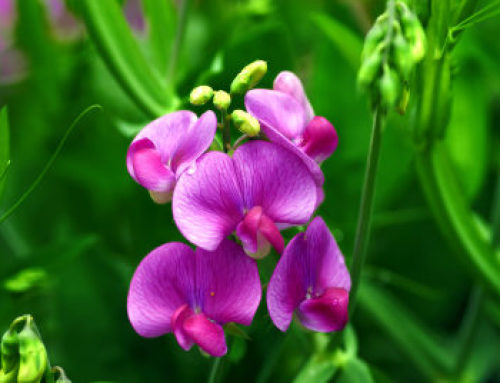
x: 179, y: 36
x: 213, y: 371
x: 226, y: 132
x: 240, y: 140
x: 35, y: 183
x: 366, y: 207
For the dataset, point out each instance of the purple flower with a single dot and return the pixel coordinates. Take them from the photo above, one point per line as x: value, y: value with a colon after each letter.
x: 262, y: 188
x: 311, y: 278
x: 193, y: 293
x: 287, y: 118
x: 167, y: 147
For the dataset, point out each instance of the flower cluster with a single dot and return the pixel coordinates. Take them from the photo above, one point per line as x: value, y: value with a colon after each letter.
x: 233, y: 206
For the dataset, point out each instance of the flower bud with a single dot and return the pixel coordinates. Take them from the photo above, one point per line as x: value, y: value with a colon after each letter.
x: 32, y: 356
x: 9, y: 351
x: 403, y: 56
x: 414, y: 34
x: 222, y: 100
x: 60, y: 375
x: 404, y: 100
x: 369, y: 68
x: 8, y: 377
x: 201, y: 95
x: 248, y: 77
x: 373, y: 38
x: 245, y: 123
x: 390, y: 87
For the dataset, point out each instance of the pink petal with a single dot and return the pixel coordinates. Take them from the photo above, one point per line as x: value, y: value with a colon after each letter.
x: 287, y: 82
x: 207, y: 202
x: 161, y: 284
x: 147, y: 168
x: 275, y: 179
x: 206, y: 334
x: 178, y: 318
x: 277, y: 110
x: 320, y: 139
x: 229, y: 284
x: 327, y: 312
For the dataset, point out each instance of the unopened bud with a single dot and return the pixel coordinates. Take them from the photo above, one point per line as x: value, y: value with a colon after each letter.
x: 248, y: 77
x: 245, y: 123
x: 369, y: 69
x: 404, y: 100
x: 373, y: 38
x: 390, y: 87
x: 9, y: 351
x: 201, y: 95
x: 403, y: 56
x: 8, y: 377
x: 60, y: 375
x: 414, y: 34
x: 222, y: 100
x: 32, y: 355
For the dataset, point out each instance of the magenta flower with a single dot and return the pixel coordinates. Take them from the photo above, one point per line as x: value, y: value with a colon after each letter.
x: 193, y: 293
x: 311, y: 279
x: 166, y: 147
x: 262, y: 188
x: 287, y: 118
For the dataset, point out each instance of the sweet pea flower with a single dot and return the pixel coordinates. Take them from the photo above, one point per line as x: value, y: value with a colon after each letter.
x: 311, y: 279
x: 193, y: 294
x: 287, y: 118
x: 261, y: 188
x: 166, y: 147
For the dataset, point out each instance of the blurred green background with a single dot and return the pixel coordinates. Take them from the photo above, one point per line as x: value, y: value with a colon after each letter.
x: 87, y: 225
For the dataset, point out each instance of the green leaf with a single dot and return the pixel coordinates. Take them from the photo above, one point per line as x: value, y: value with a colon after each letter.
x: 119, y: 49
x: 355, y: 371
x: 160, y: 20
x: 4, y: 147
x: 400, y: 325
x: 26, y: 279
x: 319, y: 369
x: 344, y: 39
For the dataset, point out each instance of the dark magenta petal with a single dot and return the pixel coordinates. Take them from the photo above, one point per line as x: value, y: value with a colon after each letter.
x: 277, y: 110
x: 206, y: 334
x: 207, y: 203
x: 310, y: 264
x: 228, y: 283
x: 276, y: 180
x: 161, y: 284
x: 271, y: 232
x: 178, y: 318
x: 287, y: 82
x: 325, y: 313
x: 148, y: 169
x: 320, y: 139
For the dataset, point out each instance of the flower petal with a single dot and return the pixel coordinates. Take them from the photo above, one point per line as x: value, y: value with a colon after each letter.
x: 177, y: 323
x: 147, y: 168
x: 327, y: 312
x: 287, y: 287
x: 287, y: 82
x: 320, y: 139
x: 275, y: 179
x: 207, y: 203
x: 277, y: 110
x: 228, y: 283
x: 160, y: 285
x: 196, y: 140
x: 206, y: 334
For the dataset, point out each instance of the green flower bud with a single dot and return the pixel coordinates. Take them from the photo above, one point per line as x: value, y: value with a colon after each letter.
x: 60, y: 375
x: 9, y: 351
x: 8, y: 377
x: 390, y: 87
x: 373, y: 38
x: 32, y: 356
x: 414, y: 34
x: 245, y: 123
x: 248, y: 77
x: 404, y: 100
x: 201, y: 95
x: 402, y: 56
x: 369, y: 69
x: 222, y: 100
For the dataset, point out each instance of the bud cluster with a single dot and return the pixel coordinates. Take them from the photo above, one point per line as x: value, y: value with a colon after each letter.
x: 394, y: 45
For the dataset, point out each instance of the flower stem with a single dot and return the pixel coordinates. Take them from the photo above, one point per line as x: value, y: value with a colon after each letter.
x: 179, y: 35
x: 213, y: 371
x: 366, y: 206
x: 226, y: 131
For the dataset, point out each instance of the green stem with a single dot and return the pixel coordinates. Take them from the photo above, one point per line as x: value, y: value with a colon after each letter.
x: 366, y: 207
x: 35, y: 183
x: 179, y: 36
x: 213, y: 371
x: 226, y: 131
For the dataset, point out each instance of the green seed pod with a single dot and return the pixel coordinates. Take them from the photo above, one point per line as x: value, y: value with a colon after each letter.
x: 222, y: 100
x: 390, y: 87
x: 33, y: 357
x: 402, y: 56
x: 369, y: 69
x: 8, y: 377
x: 9, y: 351
x: 201, y: 95
x: 373, y: 38
x: 245, y: 123
x: 414, y: 34
x: 249, y: 77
